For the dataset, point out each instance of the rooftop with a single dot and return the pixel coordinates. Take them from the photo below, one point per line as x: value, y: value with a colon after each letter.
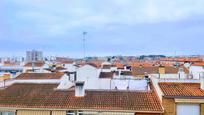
x: 36, y: 64
x: 106, y: 75
x: 44, y: 96
x: 30, y: 76
x: 155, y: 70
x: 181, y: 90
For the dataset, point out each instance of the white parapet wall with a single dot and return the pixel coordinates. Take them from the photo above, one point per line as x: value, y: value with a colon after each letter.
x: 155, y: 82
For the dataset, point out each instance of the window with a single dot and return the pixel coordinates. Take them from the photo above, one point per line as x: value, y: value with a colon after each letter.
x: 7, y: 113
x: 188, y: 109
x: 80, y: 113
x: 70, y: 113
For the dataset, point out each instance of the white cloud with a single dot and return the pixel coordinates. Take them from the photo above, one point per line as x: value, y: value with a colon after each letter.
x: 109, y: 11
x: 50, y: 18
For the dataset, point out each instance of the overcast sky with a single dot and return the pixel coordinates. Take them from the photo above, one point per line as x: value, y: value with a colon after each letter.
x: 126, y: 27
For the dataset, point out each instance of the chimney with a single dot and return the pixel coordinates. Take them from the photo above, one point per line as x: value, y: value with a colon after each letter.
x: 119, y: 73
x: 202, y: 82
x: 79, y: 89
x: 161, y: 69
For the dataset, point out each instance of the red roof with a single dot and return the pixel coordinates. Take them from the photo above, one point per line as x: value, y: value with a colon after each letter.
x: 155, y: 70
x: 36, y: 64
x: 183, y: 59
x: 29, y: 76
x: 198, y: 64
x: 182, y: 90
x: 44, y: 96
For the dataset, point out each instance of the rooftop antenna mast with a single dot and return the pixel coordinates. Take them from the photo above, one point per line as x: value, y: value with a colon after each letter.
x: 84, y: 45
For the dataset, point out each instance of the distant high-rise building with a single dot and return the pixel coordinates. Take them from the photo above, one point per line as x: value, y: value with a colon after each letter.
x: 34, y: 56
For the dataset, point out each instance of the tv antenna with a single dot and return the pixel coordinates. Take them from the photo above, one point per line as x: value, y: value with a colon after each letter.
x: 84, y: 45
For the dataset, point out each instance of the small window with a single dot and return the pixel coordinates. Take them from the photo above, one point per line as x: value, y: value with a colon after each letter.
x: 70, y: 113
x: 7, y: 113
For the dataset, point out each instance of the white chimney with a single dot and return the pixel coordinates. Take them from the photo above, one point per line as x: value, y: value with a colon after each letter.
x: 79, y: 89
x: 119, y: 73
x: 202, y: 82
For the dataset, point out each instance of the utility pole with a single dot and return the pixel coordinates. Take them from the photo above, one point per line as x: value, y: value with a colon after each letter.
x: 84, y: 46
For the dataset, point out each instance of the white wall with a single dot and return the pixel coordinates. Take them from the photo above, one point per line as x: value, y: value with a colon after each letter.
x: 98, y: 84
x: 87, y: 72
x: 70, y: 67
x: 171, y: 76
x: 196, y: 71
x: 122, y: 84
x: 106, y: 70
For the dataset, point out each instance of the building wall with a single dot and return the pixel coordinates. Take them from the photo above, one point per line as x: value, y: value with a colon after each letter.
x: 148, y: 114
x: 34, y: 55
x: 70, y: 67
x: 30, y: 112
x: 87, y: 72
x: 196, y: 71
x: 202, y: 109
x: 58, y: 112
x: 41, y: 112
x: 37, y: 69
x: 161, y: 70
x: 169, y: 106
x: 170, y: 76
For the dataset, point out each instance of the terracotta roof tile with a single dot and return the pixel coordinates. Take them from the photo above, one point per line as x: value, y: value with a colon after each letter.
x: 106, y: 75
x: 36, y: 64
x: 183, y: 59
x: 155, y: 70
x: 198, y: 64
x: 106, y: 66
x: 118, y: 65
x: 142, y: 70
x: 171, y: 89
x: 43, y: 96
x: 39, y: 76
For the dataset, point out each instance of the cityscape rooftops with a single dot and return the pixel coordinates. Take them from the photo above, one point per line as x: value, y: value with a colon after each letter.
x: 44, y: 96
x: 30, y: 76
x: 36, y: 64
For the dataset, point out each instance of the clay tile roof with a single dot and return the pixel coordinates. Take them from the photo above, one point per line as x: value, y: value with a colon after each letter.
x: 36, y: 64
x: 43, y: 96
x: 198, y: 64
x: 66, y: 62
x: 155, y: 70
x: 39, y: 76
x: 94, y: 65
x: 118, y: 65
x: 106, y: 66
x: 183, y: 59
x: 142, y: 70
x: 106, y: 75
x: 181, y: 90
x: 172, y: 69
